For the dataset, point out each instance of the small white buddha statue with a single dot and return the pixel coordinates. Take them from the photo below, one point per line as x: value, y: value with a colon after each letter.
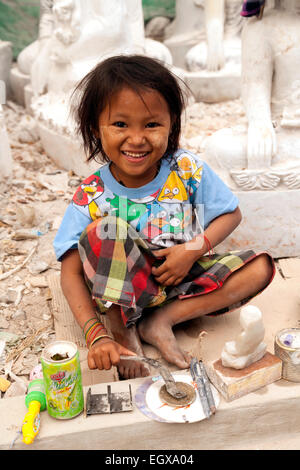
x: 248, y: 347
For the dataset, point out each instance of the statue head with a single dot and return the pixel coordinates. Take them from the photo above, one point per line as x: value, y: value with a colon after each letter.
x: 249, y: 314
x: 63, y: 10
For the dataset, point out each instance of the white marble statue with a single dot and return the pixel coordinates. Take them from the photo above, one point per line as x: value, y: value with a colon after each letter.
x: 248, y: 347
x: 222, y: 44
x: 266, y: 154
x: 84, y: 32
x: 73, y: 36
x: 206, y: 34
x: 5, y: 152
x: 27, y: 57
x: 205, y: 42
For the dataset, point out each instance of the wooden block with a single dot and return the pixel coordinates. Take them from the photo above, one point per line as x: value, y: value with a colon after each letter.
x: 290, y: 267
x: 235, y: 383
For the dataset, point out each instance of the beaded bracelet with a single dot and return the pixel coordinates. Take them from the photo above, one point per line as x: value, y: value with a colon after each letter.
x: 91, y: 334
x: 99, y: 337
x: 93, y: 318
x: 93, y: 330
x: 95, y: 333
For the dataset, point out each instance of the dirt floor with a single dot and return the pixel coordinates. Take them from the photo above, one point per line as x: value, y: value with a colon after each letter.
x: 32, y: 204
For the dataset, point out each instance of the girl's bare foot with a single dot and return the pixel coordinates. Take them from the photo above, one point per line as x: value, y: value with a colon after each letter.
x: 129, y: 338
x: 155, y: 330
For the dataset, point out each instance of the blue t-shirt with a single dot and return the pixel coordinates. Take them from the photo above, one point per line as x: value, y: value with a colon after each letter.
x: 180, y: 202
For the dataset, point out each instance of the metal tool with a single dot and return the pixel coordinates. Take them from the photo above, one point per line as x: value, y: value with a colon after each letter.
x: 164, y: 372
x: 199, y: 376
x: 208, y: 390
x: 108, y: 402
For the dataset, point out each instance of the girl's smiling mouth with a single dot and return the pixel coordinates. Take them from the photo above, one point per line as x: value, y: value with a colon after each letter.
x: 135, y: 155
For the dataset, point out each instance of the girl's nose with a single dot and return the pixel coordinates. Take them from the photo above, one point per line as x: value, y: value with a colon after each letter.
x: 136, y: 137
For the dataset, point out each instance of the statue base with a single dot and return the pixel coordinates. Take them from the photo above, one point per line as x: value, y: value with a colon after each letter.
x: 235, y: 383
x: 207, y: 86
x: 271, y: 222
x: 214, y: 87
x: 18, y: 82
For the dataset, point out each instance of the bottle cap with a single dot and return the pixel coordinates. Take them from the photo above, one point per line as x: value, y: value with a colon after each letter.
x: 36, y: 396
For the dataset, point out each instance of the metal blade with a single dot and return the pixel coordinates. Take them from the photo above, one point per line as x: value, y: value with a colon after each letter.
x: 164, y: 372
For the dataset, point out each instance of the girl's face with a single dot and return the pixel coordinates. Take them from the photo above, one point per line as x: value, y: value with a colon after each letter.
x: 134, y: 131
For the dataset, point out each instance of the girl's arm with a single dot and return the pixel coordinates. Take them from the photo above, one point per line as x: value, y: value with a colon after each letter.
x: 75, y: 288
x: 217, y: 231
x: 105, y: 352
x: 180, y: 258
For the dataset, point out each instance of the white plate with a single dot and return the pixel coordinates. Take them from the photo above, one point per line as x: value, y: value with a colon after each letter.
x: 151, y: 405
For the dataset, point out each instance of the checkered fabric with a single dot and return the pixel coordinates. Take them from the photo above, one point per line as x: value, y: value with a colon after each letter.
x: 252, y: 7
x: 118, y: 270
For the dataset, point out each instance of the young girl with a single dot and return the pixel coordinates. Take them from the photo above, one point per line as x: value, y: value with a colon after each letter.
x: 136, y: 242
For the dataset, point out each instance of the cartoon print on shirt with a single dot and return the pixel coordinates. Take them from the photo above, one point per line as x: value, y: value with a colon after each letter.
x: 89, y: 190
x: 126, y: 208
x: 186, y: 166
x: 153, y: 211
x: 173, y: 190
x: 146, y: 199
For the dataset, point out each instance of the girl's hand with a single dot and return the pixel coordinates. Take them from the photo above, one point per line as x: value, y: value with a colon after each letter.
x: 177, y: 265
x: 105, y: 353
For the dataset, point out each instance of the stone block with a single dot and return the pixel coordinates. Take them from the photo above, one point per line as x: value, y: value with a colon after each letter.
x: 214, y: 87
x: 66, y: 151
x: 234, y: 383
x: 5, y: 63
x: 270, y: 223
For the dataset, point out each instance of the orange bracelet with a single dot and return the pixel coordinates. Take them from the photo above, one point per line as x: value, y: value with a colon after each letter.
x: 208, y: 245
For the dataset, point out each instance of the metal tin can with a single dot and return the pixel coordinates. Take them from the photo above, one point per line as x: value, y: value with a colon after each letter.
x: 287, y: 348
x: 63, y: 383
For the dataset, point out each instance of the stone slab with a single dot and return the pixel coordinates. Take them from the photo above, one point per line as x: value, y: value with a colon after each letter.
x: 65, y: 151
x: 271, y: 413
x: 271, y: 222
x: 268, y: 418
x: 234, y: 383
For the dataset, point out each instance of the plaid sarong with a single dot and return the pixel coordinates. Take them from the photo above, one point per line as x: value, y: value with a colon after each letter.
x: 118, y: 270
x: 252, y: 7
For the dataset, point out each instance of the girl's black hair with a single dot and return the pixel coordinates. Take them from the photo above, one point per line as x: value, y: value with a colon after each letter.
x: 110, y: 76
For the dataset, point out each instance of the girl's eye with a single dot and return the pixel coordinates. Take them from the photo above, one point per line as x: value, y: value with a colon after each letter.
x: 152, y: 124
x: 119, y: 124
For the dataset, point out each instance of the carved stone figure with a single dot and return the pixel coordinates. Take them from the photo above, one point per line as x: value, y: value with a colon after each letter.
x: 266, y: 155
x: 20, y: 75
x: 5, y: 152
x: 73, y: 36
x: 84, y: 32
x: 222, y: 44
x: 248, y: 347
x: 204, y: 40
